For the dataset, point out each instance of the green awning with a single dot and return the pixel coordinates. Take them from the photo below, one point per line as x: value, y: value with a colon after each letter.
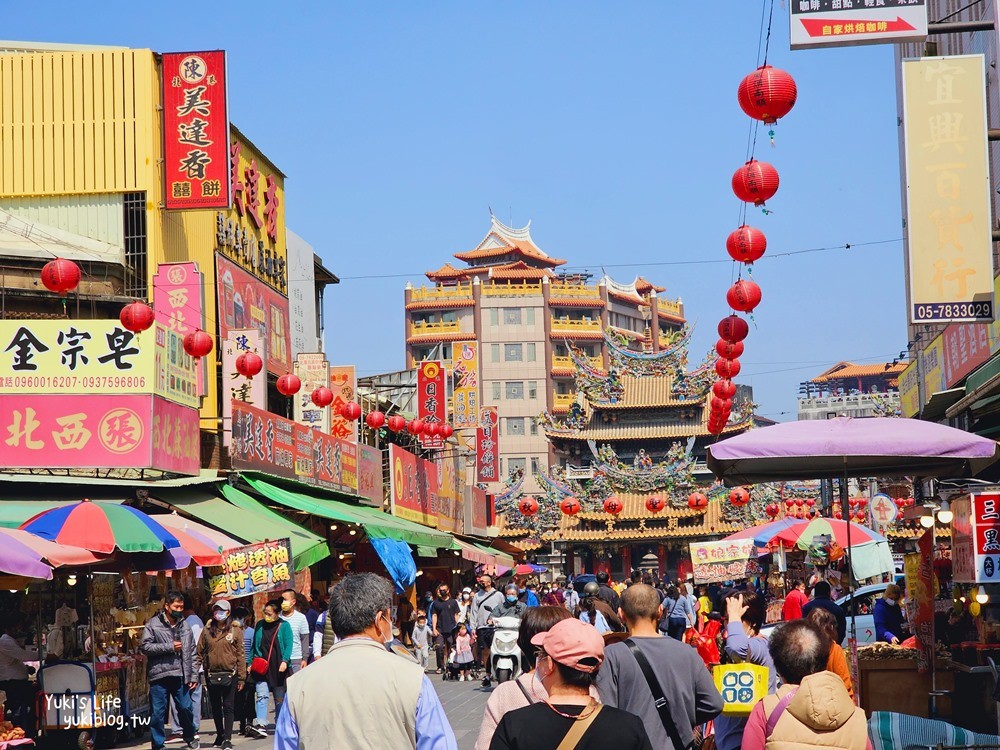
x: 255, y: 524
x: 983, y: 374
x: 15, y: 512
x: 377, y: 525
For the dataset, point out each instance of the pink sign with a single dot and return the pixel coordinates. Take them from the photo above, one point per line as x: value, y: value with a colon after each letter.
x: 966, y: 346
x: 76, y: 431
x: 179, y: 303
x: 176, y: 438
x: 246, y: 302
x: 370, y: 474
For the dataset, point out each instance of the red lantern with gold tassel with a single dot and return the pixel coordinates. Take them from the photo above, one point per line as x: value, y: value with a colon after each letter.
x: 744, y: 295
x: 727, y: 368
x: 767, y: 94
x: 746, y: 244
x: 137, y: 317
x: 733, y: 328
x: 61, y: 275
x: 755, y: 182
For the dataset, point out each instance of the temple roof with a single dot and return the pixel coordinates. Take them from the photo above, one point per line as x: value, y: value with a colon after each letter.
x: 645, y: 287
x: 518, y: 270
x: 850, y: 370
x: 447, y: 272
x: 503, y: 240
x: 651, y: 428
x: 665, y: 524
x: 645, y: 392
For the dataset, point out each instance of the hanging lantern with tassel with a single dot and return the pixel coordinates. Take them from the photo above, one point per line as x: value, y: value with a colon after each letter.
x: 755, y: 182
x: 733, y: 328
x: 289, y: 384
x: 375, y: 419
x: 744, y: 295
x: 767, y: 94
x: 198, y: 343
x: 322, y: 396
x: 137, y: 317
x: 249, y: 364
x: 61, y: 275
x: 746, y: 244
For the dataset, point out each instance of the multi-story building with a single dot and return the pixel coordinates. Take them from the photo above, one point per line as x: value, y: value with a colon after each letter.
x: 511, y: 298
x: 850, y: 390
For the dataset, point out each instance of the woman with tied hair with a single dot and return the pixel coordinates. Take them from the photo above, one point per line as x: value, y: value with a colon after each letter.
x: 837, y: 661
x: 518, y: 693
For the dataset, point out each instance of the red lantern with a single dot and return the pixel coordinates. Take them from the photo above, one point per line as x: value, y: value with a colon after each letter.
x: 570, y: 506
x: 727, y: 368
x: 249, y: 364
x: 771, y: 510
x: 613, y: 506
x: 447, y: 431
x: 289, y: 384
x: 744, y: 295
x: 767, y: 94
x: 136, y: 317
x: 800, y: 502
x: 810, y: 502
x: 729, y: 349
x: 61, y: 275
x: 655, y: 504
x: 722, y: 405
x: 755, y: 182
x: 433, y: 429
x: 322, y: 396
x: 198, y: 343
x: 350, y: 411
x: 733, y: 328
x: 724, y: 388
x: 838, y: 515
x: 375, y: 419
x: 715, y: 428
x: 746, y: 244
x: 862, y: 502
x: 739, y: 497
x: 528, y: 506
x: 697, y: 500
x: 415, y: 426
x: 396, y: 423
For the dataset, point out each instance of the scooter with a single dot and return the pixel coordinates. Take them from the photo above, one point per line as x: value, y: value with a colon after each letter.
x: 505, y: 655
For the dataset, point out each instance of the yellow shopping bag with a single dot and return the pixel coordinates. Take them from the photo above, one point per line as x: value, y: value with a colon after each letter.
x: 741, y: 685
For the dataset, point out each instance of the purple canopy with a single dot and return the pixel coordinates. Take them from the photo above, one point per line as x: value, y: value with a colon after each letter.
x: 845, y: 446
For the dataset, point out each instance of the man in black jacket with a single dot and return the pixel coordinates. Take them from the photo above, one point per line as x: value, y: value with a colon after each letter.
x: 608, y: 594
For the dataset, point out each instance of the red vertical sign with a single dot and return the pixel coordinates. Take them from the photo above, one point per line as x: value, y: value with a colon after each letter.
x: 488, y: 446
x: 431, y: 400
x: 195, y: 130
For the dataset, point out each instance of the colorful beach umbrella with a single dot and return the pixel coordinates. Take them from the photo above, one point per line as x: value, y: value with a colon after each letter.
x: 765, y: 533
x: 56, y: 555
x: 802, y: 533
x: 20, y: 560
x: 527, y: 569
x: 101, y: 527
x: 205, y: 545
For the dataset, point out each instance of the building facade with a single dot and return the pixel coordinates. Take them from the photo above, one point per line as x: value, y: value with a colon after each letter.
x: 850, y: 390
x: 523, y: 312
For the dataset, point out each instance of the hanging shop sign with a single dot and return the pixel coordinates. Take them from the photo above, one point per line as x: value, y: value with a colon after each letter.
x: 343, y: 383
x: 269, y: 444
x: 465, y: 380
x: 176, y: 371
x: 919, y: 570
x: 724, y: 561
x: 949, y: 229
x: 451, y: 500
x: 314, y: 371
x: 839, y: 23
x: 432, y: 400
x: 246, y: 303
x: 195, y: 130
x: 488, y: 446
x: 370, y: 475
x: 72, y: 431
x: 965, y: 348
x: 477, y: 514
x: 975, y: 550
x: 909, y: 390
x: 179, y: 305
x: 236, y: 387
x: 413, y: 487
x: 253, y: 569
x: 884, y: 510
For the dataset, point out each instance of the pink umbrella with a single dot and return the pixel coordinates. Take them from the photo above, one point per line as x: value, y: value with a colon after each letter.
x: 205, y: 545
x: 57, y: 555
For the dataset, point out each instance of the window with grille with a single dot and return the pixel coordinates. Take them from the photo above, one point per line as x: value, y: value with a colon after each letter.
x: 494, y: 352
x: 512, y: 316
x: 515, y: 390
x: 134, y: 221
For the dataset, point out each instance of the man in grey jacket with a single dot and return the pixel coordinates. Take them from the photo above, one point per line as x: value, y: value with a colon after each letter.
x: 169, y: 648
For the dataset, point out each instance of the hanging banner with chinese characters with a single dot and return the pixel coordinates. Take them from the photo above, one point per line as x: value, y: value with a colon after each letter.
x: 413, y: 487
x: 343, y: 384
x: 949, y: 225
x: 246, y: 303
x: 724, y: 561
x: 975, y: 550
x: 477, y: 512
x: 314, y: 371
x: 253, y: 569
x: 179, y: 304
x: 488, y: 446
x: 75, y: 356
x: 920, y: 594
x: 432, y: 399
x: 195, y: 130
x: 335, y: 463
x: 465, y: 377
x: 72, y: 431
x: 370, y: 475
x: 236, y: 387
x: 176, y: 374
x: 965, y: 348
x: 450, y: 492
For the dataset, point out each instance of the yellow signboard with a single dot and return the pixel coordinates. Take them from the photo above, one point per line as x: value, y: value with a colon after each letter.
x: 949, y: 232
x: 932, y: 359
x: 465, y: 376
x: 909, y: 390
x: 75, y: 357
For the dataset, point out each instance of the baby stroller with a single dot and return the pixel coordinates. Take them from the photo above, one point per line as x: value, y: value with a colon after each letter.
x: 451, y: 669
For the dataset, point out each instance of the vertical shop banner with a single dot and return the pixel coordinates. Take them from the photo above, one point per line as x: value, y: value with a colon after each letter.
x: 176, y: 437
x: 932, y: 364
x: 249, y: 570
x: 975, y: 550
x: 370, y: 475
x: 344, y: 384
x: 909, y: 391
x: 965, y: 348
x: 451, y: 500
x: 179, y: 304
x: 949, y: 214
x: 488, y: 446
x: 235, y: 387
x: 335, y: 462
x: 176, y: 371
x: 246, y: 302
x: 963, y: 551
x: 478, y: 518
x: 919, y: 570
x: 314, y: 371
x: 432, y: 400
x: 465, y: 380
x: 724, y: 561
x: 195, y: 130
x: 410, y: 483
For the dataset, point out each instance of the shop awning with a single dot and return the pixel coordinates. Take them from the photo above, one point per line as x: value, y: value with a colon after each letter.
x: 377, y: 525
x: 482, y: 554
x: 502, y: 558
x: 255, y: 524
x: 939, y: 403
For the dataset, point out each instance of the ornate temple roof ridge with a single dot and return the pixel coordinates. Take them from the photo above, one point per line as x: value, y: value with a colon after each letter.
x: 502, y: 240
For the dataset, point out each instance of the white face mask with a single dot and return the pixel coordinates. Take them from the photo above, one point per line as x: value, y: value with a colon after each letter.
x: 220, y: 616
x: 386, y: 638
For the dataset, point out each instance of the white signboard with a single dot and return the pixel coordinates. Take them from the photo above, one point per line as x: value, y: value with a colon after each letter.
x: 836, y: 23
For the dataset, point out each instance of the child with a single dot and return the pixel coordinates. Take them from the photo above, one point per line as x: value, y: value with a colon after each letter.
x: 463, y: 651
x: 421, y: 639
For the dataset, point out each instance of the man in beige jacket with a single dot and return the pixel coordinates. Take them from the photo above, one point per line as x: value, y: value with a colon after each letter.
x: 360, y: 694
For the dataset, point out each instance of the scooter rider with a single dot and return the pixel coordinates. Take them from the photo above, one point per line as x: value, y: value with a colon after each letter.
x: 484, y: 602
x: 509, y: 607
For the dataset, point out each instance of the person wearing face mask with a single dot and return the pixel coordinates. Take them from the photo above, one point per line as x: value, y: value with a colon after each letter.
x: 511, y: 606
x: 889, y: 616
x: 300, y: 630
x: 168, y: 645
x: 272, y: 642
x: 220, y: 651
x: 360, y: 694
x: 444, y: 622
x: 465, y: 607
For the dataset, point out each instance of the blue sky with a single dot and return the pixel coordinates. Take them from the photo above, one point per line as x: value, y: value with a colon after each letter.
x: 614, y: 127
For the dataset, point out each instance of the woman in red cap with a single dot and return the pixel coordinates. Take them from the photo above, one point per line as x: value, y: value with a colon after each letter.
x: 570, y: 653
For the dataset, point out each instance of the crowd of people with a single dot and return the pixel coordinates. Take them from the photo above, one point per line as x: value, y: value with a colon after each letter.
x: 609, y: 665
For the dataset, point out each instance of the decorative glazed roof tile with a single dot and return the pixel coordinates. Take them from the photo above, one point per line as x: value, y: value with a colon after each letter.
x: 635, y: 507
x: 447, y: 271
x: 635, y: 299
x: 577, y: 335
x: 518, y: 270
x: 591, y: 302
x: 579, y: 528
x: 645, y: 287
x: 433, y: 336
x: 851, y: 370
x: 670, y: 316
x: 649, y: 429
x: 635, y: 335
x: 503, y: 240
x: 646, y: 393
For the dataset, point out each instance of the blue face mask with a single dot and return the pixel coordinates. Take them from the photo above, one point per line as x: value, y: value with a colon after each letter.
x: 511, y: 598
